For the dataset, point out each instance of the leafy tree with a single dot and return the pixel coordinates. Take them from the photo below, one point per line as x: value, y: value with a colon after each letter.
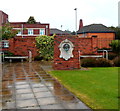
x: 73, y: 33
x: 7, y: 32
x: 45, y: 45
x: 117, y: 32
x: 115, y: 45
x: 31, y: 20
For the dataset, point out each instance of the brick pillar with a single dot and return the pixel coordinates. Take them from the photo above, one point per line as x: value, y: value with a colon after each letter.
x: 61, y: 63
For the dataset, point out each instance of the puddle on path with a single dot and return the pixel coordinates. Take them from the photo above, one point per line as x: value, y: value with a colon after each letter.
x: 27, y: 86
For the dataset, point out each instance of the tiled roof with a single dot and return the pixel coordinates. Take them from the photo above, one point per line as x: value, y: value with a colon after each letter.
x: 95, y: 28
x: 57, y: 31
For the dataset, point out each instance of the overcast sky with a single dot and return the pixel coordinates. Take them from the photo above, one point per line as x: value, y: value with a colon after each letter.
x: 61, y: 12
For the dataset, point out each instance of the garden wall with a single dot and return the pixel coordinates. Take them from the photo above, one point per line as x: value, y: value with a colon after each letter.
x: 84, y: 45
x: 21, y: 46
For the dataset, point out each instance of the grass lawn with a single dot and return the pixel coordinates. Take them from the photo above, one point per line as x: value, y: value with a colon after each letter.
x: 96, y: 87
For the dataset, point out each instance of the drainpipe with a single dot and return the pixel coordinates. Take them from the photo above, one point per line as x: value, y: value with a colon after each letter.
x: 46, y: 30
x: 22, y: 30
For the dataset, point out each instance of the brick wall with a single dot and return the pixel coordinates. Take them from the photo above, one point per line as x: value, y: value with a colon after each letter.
x: 60, y: 63
x: 85, y: 45
x: 103, y: 39
x: 21, y: 46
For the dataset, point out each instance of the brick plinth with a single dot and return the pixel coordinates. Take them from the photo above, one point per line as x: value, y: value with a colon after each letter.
x: 60, y: 63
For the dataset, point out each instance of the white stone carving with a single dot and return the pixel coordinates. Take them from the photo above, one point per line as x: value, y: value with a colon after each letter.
x: 66, y: 48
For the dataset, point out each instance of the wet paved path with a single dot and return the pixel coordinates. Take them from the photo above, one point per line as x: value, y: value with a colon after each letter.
x: 27, y: 86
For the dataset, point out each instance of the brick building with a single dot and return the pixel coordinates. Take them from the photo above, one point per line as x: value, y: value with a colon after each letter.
x: 30, y: 30
x: 3, y: 18
x: 103, y: 34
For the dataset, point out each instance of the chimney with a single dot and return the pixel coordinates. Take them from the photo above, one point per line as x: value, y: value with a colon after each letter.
x: 80, y: 24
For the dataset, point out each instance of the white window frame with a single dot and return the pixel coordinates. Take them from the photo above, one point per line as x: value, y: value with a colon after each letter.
x: 42, y: 31
x: 5, y: 43
x: 30, y: 32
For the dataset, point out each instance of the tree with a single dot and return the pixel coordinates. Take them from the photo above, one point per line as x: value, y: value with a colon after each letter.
x: 73, y: 33
x: 8, y: 32
x: 31, y: 20
x: 117, y: 32
x: 115, y: 45
x: 45, y: 45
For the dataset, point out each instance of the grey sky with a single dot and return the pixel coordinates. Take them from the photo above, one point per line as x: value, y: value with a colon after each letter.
x: 61, y: 12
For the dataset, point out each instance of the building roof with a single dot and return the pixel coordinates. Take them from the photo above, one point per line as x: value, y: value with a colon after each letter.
x: 95, y: 28
x: 58, y: 32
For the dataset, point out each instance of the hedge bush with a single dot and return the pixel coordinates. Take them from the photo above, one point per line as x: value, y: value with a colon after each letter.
x: 45, y: 46
x: 88, y: 62
x: 111, y: 56
x: 117, y: 61
x: 102, y: 62
x: 93, y: 62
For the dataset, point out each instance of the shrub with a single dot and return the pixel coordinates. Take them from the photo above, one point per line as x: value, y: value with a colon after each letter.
x: 45, y: 45
x: 7, y: 53
x: 37, y: 58
x: 102, y: 62
x: 117, y: 61
x: 92, y: 62
x: 88, y: 62
x: 115, y: 45
x: 111, y: 56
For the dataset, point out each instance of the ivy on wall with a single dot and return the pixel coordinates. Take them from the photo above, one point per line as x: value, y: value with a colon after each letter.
x: 45, y: 45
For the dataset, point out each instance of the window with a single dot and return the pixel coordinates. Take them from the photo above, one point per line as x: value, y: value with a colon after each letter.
x: 30, y: 31
x: 5, y: 44
x: 42, y: 31
x: 19, y: 33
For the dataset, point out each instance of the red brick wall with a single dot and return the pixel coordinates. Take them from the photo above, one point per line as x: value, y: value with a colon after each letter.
x: 103, y: 39
x: 85, y: 46
x: 21, y: 46
x: 88, y: 46
x: 60, y: 63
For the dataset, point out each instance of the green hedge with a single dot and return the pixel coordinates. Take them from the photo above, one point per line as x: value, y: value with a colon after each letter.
x: 88, y: 62
x: 93, y: 62
x: 117, y: 61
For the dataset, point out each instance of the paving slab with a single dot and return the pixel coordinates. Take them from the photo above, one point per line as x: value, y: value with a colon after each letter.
x: 27, y: 86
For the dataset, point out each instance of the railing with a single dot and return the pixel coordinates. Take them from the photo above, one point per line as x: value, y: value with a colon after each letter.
x: 16, y: 57
x: 2, y: 57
